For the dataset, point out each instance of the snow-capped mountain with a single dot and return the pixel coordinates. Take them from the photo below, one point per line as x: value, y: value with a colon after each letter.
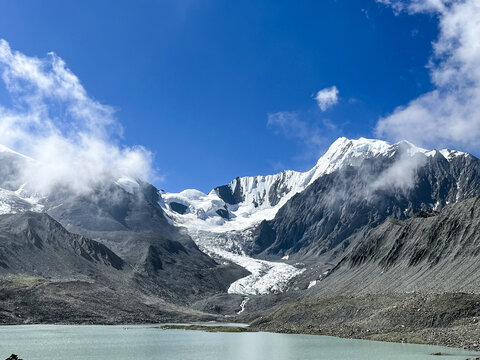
x: 336, y: 210
x: 62, y: 235
x: 246, y: 201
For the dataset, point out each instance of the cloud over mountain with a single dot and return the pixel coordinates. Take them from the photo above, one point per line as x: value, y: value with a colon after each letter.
x: 75, y: 139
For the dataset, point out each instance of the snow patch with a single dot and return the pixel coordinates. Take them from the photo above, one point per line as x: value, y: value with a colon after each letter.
x: 451, y: 154
x: 128, y: 184
x: 12, y: 202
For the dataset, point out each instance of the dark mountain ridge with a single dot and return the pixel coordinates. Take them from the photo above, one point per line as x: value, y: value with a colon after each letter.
x: 35, y: 244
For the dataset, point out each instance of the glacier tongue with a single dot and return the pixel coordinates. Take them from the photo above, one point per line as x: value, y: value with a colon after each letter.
x: 266, y: 276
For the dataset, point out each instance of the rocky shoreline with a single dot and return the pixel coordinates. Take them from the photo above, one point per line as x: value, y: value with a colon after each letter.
x: 451, y: 320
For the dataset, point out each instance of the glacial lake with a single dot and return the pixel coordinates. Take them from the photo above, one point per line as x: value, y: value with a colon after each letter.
x: 143, y: 342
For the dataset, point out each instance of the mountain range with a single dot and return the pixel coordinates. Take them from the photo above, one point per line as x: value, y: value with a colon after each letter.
x: 369, y: 219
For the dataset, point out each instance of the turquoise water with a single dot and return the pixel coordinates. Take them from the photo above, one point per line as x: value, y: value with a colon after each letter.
x: 52, y: 342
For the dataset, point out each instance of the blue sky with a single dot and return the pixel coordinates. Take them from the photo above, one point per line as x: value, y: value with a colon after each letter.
x: 196, y: 81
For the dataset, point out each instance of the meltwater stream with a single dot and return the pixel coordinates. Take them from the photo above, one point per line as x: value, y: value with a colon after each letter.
x: 61, y: 342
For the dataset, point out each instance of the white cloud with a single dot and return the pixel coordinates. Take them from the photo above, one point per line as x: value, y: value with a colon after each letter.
x: 74, y: 138
x: 327, y: 97
x: 450, y: 114
x: 400, y: 175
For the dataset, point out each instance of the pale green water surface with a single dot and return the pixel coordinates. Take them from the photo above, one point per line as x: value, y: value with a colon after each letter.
x: 58, y: 342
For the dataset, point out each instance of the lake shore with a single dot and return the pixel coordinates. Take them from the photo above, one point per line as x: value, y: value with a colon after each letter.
x: 451, y: 320
x: 436, y: 319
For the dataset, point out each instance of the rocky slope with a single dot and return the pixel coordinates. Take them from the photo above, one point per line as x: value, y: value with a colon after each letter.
x: 449, y: 319
x: 33, y: 244
x: 51, y: 275
x: 432, y: 252
x: 411, y: 280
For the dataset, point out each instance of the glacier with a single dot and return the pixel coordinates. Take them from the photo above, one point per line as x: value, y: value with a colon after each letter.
x: 235, y: 208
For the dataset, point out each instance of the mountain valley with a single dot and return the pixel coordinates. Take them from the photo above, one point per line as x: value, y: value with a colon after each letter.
x: 348, y: 248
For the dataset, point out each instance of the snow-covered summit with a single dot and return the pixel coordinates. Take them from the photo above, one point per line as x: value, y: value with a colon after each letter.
x: 451, y: 154
x: 353, y: 151
x: 248, y: 200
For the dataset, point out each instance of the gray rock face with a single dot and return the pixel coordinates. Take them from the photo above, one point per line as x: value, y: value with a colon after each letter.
x: 278, y: 190
x: 438, y: 253
x: 35, y: 244
x: 109, y: 208
x: 44, y: 269
x: 223, y: 213
x: 229, y: 195
x: 338, y: 207
x: 178, y: 208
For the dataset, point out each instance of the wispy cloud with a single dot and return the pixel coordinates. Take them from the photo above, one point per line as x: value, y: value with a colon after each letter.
x: 312, y: 133
x: 450, y: 114
x: 74, y: 138
x: 309, y: 128
x: 327, y: 97
x: 400, y: 175
x: 289, y: 124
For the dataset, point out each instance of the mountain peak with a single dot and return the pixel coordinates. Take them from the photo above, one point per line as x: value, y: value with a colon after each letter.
x: 349, y: 151
x: 344, y: 151
x: 450, y: 154
x: 360, y: 145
